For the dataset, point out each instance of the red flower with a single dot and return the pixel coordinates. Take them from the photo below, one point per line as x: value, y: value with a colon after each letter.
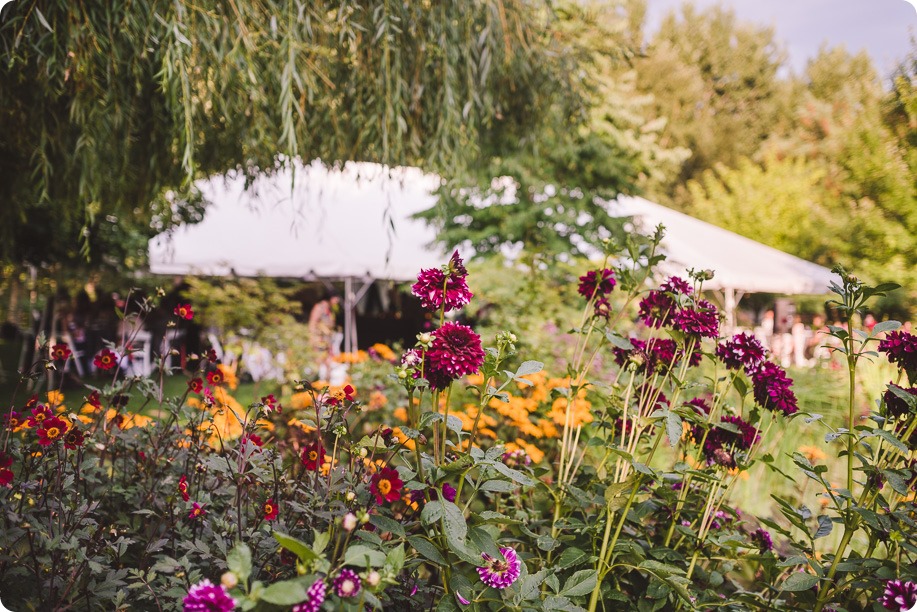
x: 444, y: 288
x: 386, y: 485
x: 183, y: 311
x: 350, y: 393
x: 196, y: 385
x: 39, y: 414
x: 51, y: 430
x: 73, y: 439
x: 60, y: 352
x: 33, y: 401
x: 93, y: 400
x: 271, y: 404
x: 254, y: 439
x: 212, y: 355
x: 183, y: 487
x: 13, y: 420
x: 215, y: 377
x: 105, y: 360
x: 6, y: 474
x: 197, y: 511
x: 456, y: 351
x: 313, y: 456
x: 271, y: 510
x: 596, y: 283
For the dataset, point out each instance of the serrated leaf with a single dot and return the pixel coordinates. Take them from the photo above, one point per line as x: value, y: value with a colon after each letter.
x: 239, y: 561
x: 426, y: 549
x: 386, y: 524
x: 673, y: 428
x: 799, y: 581
x: 297, y: 547
x: 512, y: 474
x: 580, y: 583
x: 825, y: 526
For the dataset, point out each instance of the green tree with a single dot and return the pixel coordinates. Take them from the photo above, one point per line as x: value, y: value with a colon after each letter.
x: 107, y: 107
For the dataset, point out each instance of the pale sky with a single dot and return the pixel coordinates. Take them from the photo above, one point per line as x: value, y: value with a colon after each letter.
x: 883, y: 27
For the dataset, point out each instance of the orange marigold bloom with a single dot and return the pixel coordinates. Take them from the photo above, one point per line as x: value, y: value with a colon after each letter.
x: 401, y: 413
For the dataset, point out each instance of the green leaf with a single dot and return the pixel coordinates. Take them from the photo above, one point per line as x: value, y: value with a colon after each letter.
x: 428, y: 550
x: 394, y: 560
x: 528, y: 367
x: 364, y: 556
x: 673, y: 428
x: 891, y: 439
x: 239, y: 561
x: 570, y: 557
x: 799, y: 581
x: 386, y: 524
x: 285, y: 593
x: 512, y: 474
x: 825, y: 525
x: 885, y: 326
x: 618, y: 341
x: 297, y: 547
x: 580, y: 583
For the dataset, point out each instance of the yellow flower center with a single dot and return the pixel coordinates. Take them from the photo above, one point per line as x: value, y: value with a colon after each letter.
x: 268, y: 509
x: 313, y: 456
x: 53, y: 432
x: 384, y: 486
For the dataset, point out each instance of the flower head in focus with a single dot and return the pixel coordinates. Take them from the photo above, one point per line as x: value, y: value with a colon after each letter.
x: 313, y: 456
x: 456, y: 351
x: 271, y: 510
x: 386, y: 485
x: 208, y: 597
x: 444, y: 288
x: 500, y: 573
x: 772, y: 389
x: 347, y: 583
x: 742, y: 351
x: 899, y: 595
x: 315, y: 597
x: 901, y: 347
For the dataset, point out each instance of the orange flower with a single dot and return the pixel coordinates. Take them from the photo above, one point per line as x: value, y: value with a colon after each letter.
x: 403, y: 439
x: 812, y: 453
x: 401, y: 413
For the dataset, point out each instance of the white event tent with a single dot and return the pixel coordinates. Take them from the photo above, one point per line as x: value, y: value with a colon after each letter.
x: 352, y: 225
x: 741, y: 265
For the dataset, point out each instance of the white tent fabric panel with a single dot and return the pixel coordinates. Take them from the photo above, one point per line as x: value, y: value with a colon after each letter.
x: 739, y: 263
x: 349, y: 223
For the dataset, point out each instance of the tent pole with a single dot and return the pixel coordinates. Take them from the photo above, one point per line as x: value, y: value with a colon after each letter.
x: 729, y: 305
x: 348, y: 315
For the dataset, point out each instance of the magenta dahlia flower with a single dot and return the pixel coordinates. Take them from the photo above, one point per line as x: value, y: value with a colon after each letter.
x: 499, y: 573
x: 772, y: 388
x: 444, y: 288
x: 742, y: 351
x: 208, y: 597
x: 315, y: 597
x: 676, y: 284
x: 899, y: 595
x: 602, y: 308
x: 347, y: 583
x: 456, y: 351
x: 901, y: 347
x: 596, y: 283
x: 657, y: 309
x: 762, y: 539
x: 700, y: 321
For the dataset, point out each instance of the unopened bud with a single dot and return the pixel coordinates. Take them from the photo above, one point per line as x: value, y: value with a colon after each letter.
x: 350, y: 496
x: 373, y: 578
x: 229, y: 580
x: 349, y: 522
x: 363, y: 517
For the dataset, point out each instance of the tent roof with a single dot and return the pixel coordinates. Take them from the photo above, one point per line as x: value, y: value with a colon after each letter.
x: 353, y: 222
x: 738, y: 262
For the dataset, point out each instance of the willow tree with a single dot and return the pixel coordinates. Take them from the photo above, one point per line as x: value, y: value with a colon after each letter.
x: 110, y: 111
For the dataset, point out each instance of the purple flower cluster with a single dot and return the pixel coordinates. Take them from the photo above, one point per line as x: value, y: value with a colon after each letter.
x: 456, y: 351
x: 660, y: 309
x: 897, y: 405
x: 762, y: 539
x: 443, y: 288
x: 657, y: 354
x: 772, y: 388
x: 498, y: 573
x: 208, y: 597
x: 901, y: 347
x: 742, y: 351
x: 347, y: 583
x: 899, y: 595
x: 315, y: 597
x: 596, y: 283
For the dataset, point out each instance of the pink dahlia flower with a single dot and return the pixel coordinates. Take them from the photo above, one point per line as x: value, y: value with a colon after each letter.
x: 315, y: 597
x: 208, y: 597
x: 499, y: 573
x: 443, y: 288
x: 347, y: 583
x: 899, y: 595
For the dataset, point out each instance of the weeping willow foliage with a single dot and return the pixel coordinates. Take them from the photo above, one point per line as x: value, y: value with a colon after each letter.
x: 107, y: 108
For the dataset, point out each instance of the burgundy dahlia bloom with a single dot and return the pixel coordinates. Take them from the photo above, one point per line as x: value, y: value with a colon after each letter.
x: 663, y: 353
x: 762, y: 539
x: 347, y: 583
x: 602, y: 308
x: 498, y: 573
x: 315, y: 597
x: 596, y: 283
x: 899, y: 595
x: 742, y: 351
x: 676, y: 284
x: 897, y: 405
x: 720, y: 443
x: 657, y: 309
x: 901, y: 347
x: 443, y: 288
x: 772, y: 389
x: 456, y: 351
x: 700, y: 321
x: 208, y: 597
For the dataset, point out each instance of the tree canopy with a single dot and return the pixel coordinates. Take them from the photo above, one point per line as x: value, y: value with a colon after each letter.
x: 111, y: 110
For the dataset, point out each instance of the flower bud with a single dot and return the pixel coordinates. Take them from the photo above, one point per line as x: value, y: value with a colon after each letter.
x: 373, y: 578
x: 229, y: 580
x: 363, y: 517
x: 349, y: 522
x: 350, y: 496
x: 363, y: 452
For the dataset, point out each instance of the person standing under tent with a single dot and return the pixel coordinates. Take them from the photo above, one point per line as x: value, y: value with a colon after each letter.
x: 322, y: 328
